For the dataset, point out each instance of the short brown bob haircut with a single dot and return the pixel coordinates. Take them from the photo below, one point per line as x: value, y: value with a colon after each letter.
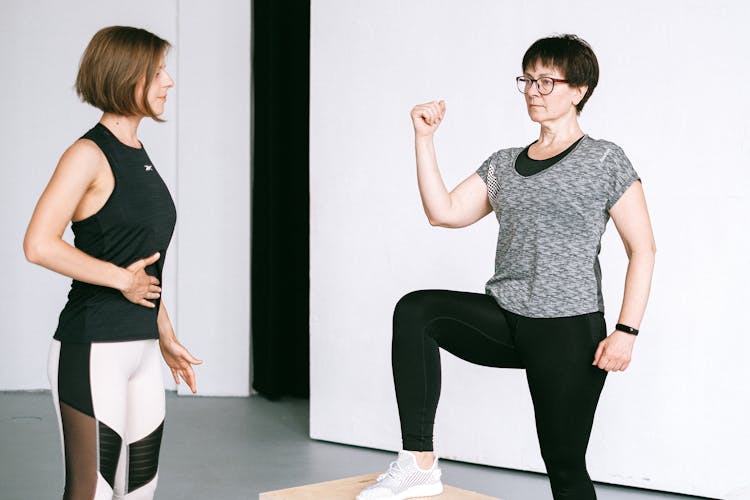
x: 571, y: 55
x: 118, y: 60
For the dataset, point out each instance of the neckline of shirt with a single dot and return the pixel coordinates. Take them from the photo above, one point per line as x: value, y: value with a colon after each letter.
x: 111, y: 134
x: 553, y: 161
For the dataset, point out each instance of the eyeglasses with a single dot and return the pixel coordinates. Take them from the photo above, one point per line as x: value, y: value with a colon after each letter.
x: 544, y: 85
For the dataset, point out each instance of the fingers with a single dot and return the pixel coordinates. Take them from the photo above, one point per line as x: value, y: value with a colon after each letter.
x: 175, y: 376
x: 611, y: 363
x: 193, y: 360
x: 186, y: 359
x: 147, y: 298
x: 143, y: 287
x: 150, y: 260
x: 142, y: 263
x: 180, y: 362
x: 430, y: 113
x: 186, y: 370
x: 598, y: 353
x: 188, y: 375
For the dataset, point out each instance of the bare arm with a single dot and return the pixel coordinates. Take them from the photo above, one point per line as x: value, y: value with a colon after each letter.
x: 76, y: 177
x: 177, y: 357
x: 632, y: 221
x: 463, y: 206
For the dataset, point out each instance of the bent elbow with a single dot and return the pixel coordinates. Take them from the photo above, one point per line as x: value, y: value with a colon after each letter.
x: 33, y: 251
x: 442, y: 223
x: 434, y: 219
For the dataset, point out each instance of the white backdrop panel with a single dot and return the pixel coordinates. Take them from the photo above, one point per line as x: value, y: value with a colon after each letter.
x: 669, y: 94
x: 214, y: 192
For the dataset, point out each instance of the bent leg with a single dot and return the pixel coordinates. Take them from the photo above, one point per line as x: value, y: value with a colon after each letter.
x: 565, y: 390
x: 469, y: 325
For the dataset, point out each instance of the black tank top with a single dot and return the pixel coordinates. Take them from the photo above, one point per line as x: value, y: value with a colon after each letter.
x: 136, y: 221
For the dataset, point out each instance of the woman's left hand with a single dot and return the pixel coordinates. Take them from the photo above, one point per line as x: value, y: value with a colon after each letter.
x: 179, y: 360
x: 614, y: 352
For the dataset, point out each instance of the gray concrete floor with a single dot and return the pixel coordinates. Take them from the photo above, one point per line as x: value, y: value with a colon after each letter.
x: 233, y: 449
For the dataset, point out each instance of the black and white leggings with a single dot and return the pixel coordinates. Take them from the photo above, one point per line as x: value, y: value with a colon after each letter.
x: 110, y: 404
x: 555, y: 352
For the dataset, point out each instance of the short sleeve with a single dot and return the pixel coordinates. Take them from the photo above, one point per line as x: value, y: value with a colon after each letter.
x: 484, y: 169
x: 621, y: 175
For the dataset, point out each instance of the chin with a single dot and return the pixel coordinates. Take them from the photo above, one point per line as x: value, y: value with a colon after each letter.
x: 535, y: 116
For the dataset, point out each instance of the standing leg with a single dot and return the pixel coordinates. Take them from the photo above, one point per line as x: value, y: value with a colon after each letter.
x: 145, y: 422
x: 92, y: 445
x: 469, y: 325
x: 565, y: 390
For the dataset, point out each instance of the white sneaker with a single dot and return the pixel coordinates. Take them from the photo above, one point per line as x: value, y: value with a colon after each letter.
x: 403, y: 480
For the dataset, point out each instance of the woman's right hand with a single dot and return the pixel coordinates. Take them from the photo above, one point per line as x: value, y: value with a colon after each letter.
x: 142, y: 288
x: 427, y: 118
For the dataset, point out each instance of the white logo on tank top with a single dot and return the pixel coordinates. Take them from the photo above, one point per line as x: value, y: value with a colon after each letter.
x: 148, y: 167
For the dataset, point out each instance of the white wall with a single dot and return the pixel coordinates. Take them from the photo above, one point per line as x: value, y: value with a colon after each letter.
x: 214, y: 191
x: 42, y: 42
x: 671, y: 94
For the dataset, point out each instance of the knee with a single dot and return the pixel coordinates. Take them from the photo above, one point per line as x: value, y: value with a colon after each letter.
x: 412, y: 305
x: 143, y: 459
x: 567, y: 474
x: 409, y: 318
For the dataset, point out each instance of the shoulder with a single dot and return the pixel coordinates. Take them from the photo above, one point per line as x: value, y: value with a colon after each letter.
x: 602, y: 150
x: 84, y: 149
x: 83, y: 159
x: 497, y: 160
x: 504, y: 155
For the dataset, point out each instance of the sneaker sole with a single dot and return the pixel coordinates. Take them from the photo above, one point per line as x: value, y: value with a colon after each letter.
x: 421, y: 490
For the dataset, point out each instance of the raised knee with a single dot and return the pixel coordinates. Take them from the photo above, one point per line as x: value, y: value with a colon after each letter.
x: 411, y: 304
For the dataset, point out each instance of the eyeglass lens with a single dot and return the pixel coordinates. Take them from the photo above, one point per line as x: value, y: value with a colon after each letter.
x: 543, y: 85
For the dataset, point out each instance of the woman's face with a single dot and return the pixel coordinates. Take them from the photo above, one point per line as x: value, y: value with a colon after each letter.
x: 157, y: 91
x: 560, y: 103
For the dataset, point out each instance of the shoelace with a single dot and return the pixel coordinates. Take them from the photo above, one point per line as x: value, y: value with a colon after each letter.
x: 394, y: 470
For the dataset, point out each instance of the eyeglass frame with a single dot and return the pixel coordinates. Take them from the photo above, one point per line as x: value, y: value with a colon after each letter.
x: 536, y: 82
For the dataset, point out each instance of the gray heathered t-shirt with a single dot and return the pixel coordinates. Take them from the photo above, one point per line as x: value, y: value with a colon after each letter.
x: 551, y: 224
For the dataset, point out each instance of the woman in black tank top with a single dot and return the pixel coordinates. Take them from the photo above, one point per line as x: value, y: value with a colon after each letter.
x: 104, y: 370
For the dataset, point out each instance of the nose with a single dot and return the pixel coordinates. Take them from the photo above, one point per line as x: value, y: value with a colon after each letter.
x: 533, y: 90
x: 167, y: 80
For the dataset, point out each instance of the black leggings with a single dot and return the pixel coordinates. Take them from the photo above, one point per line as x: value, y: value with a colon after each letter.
x: 556, y: 352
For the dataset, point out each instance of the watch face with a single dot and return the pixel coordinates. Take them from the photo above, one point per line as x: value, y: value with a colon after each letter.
x: 626, y: 328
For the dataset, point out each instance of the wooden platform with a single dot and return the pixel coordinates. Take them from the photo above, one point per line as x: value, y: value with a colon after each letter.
x: 347, y: 489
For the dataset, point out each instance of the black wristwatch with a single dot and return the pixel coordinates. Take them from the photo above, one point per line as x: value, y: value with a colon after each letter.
x: 626, y: 329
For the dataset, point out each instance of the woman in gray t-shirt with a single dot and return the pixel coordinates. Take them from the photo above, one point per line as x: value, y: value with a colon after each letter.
x: 543, y: 310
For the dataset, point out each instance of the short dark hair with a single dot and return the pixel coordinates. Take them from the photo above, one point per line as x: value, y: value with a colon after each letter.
x: 116, y: 61
x: 570, y: 54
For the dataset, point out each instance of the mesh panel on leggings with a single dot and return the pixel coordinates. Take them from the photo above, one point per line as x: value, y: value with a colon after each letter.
x: 110, y: 444
x: 143, y: 459
x: 79, y: 436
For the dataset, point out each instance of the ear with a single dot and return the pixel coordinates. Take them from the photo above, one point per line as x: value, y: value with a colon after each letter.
x: 578, y: 93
